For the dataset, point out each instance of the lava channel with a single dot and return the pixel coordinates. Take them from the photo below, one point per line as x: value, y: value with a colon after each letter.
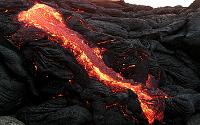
x: 50, y: 21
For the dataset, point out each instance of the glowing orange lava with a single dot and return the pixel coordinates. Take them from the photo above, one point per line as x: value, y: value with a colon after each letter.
x: 49, y: 20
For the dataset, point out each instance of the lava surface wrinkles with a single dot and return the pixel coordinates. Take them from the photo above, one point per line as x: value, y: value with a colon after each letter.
x: 50, y: 20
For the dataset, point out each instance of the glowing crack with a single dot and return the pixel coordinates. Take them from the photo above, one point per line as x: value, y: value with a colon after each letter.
x: 49, y: 20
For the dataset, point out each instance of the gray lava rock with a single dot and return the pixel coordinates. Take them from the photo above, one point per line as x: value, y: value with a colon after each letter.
x: 7, y: 120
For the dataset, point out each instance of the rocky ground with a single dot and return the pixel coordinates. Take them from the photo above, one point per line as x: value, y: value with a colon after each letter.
x: 41, y: 83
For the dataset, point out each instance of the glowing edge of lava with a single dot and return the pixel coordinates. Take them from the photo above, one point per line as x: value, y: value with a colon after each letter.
x: 49, y: 20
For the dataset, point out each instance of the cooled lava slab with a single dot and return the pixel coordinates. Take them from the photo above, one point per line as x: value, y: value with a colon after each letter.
x: 42, y: 82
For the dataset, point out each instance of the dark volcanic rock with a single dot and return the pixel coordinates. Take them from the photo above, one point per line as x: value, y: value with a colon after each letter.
x: 107, y: 111
x: 136, y: 41
x: 54, y: 112
x: 177, y: 71
x: 50, y: 66
x: 12, y: 87
x: 195, y: 4
x: 194, y: 120
x: 7, y: 27
x: 12, y: 91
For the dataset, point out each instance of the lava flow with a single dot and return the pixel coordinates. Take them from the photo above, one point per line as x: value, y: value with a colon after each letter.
x: 49, y: 20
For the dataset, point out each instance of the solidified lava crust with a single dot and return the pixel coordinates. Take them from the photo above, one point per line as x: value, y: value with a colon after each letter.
x: 105, y: 63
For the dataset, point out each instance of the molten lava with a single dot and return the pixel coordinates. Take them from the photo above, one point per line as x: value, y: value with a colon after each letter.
x: 49, y: 20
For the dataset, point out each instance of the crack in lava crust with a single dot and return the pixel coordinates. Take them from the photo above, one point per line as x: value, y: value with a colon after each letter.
x: 49, y: 20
